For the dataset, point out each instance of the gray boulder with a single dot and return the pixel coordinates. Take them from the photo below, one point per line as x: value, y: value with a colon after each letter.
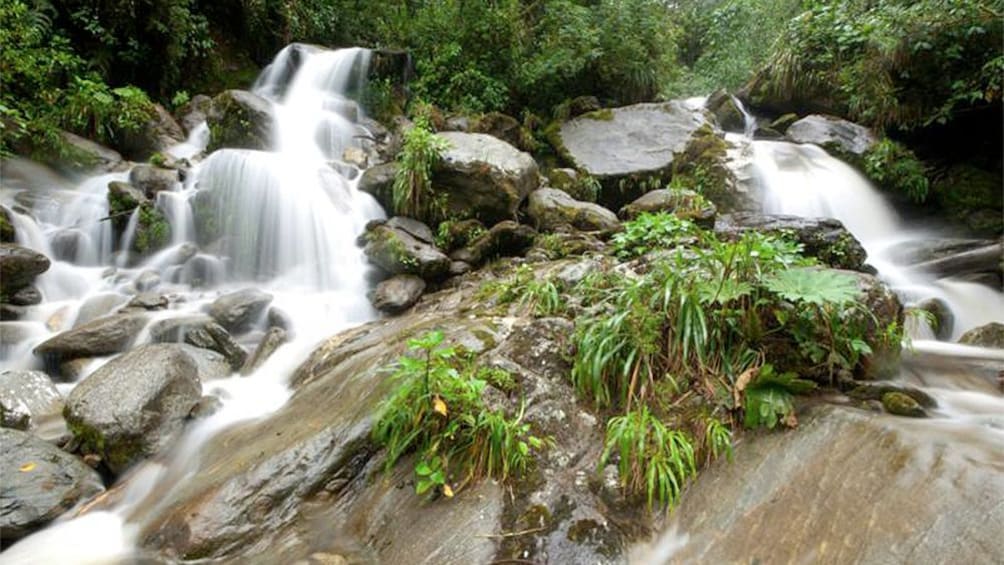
x: 27, y: 399
x: 97, y: 306
x: 7, y: 232
x: 505, y: 239
x: 150, y: 179
x: 200, y: 331
x: 158, y: 134
x: 104, y: 336
x: 483, y: 177
x: 378, y: 182
x: 823, y: 238
x: 129, y: 408
x: 684, y: 204
x: 990, y: 335
x: 241, y: 310
x: 550, y: 208
x: 844, y: 138
x: 19, y: 266
x: 624, y: 147
x: 274, y: 338
x: 240, y: 119
x: 27, y: 296
x: 398, y: 251
x: 194, y: 112
x: 398, y: 293
x: 40, y: 482
x: 89, y: 155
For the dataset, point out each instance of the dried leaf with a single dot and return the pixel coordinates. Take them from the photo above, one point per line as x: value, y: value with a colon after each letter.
x: 447, y: 491
x: 438, y: 405
x: 27, y: 467
x: 742, y: 382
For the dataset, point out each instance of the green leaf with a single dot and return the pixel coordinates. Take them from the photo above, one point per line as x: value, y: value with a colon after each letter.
x: 814, y: 286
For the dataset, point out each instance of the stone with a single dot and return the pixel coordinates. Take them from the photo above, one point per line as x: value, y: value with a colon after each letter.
x: 274, y: 338
x: 823, y: 238
x: 500, y: 126
x: 625, y: 147
x: 97, y: 306
x: 900, y: 404
x: 156, y: 136
x: 398, y: 252
x: 398, y: 293
x: 147, y: 280
x: 241, y: 120
x: 200, y: 331
x: 550, y: 208
x: 150, y: 179
x: 65, y: 243
x: 504, y: 239
x: 413, y: 227
x: 19, y: 266
x: 27, y: 296
x: 7, y: 232
x: 727, y: 113
x: 942, y: 320
x: 28, y: 399
x: 103, y: 336
x: 684, y: 204
x: 241, y: 310
x: 378, y: 182
x: 40, y: 482
x: 90, y: 156
x: 131, y: 407
x: 483, y: 177
x: 990, y: 335
x: 194, y: 112
x: 846, y: 139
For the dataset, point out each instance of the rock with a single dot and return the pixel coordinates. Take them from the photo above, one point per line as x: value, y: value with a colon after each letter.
x: 157, y: 135
x: 200, y: 331
x: 123, y: 198
x: 150, y: 180
x: 684, y: 204
x: 782, y: 123
x: 28, y: 399
x: 823, y: 238
x: 241, y: 120
x: 206, y: 407
x: 583, y: 105
x: 942, y: 318
x: 876, y: 391
x: 881, y: 310
x: 40, y: 482
x: 241, y: 310
x: 571, y: 182
x: 224, y: 344
x: 104, y: 336
x: 483, y: 177
x: 7, y: 232
x: 27, y: 296
x: 398, y: 252
x: 846, y: 139
x: 194, y: 112
x: 274, y: 338
x: 907, y: 475
x: 398, y: 293
x: 550, y: 208
x: 97, y: 306
x: 147, y: 280
x: 414, y: 228
x: 990, y: 335
x: 65, y: 243
x: 278, y: 319
x: 899, y: 404
x: 378, y: 182
x: 625, y: 147
x: 505, y: 239
x: 18, y: 267
x: 501, y: 126
x: 726, y: 111
x: 88, y: 156
x: 130, y: 407
x: 986, y: 259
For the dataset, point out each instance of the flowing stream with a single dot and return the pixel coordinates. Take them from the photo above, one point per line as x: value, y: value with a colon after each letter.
x: 289, y: 219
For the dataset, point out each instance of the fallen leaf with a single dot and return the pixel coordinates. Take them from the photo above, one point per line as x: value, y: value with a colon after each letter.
x: 27, y: 467
x: 742, y: 382
x: 438, y: 405
x: 447, y: 491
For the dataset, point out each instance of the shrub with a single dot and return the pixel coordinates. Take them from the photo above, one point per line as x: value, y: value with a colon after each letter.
x: 896, y: 168
x: 412, y: 190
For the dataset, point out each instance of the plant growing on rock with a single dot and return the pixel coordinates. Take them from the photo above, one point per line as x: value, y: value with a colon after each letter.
x: 437, y: 411
x: 412, y: 192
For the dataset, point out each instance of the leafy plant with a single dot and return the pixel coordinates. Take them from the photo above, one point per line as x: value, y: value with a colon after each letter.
x: 649, y: 232
x: 896, y: 168
x: 542, y: 296
x: 437, y: 411
x: 412, y: 192
x: 768, y: 398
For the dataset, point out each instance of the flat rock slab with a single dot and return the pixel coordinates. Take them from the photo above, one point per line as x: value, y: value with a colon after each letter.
x: 104, y: 336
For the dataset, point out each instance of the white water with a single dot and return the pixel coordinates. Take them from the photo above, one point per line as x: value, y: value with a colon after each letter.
x: 288, y: 221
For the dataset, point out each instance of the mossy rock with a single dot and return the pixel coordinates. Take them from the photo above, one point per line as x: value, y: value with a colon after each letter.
x: 240, y: 119
x: 971, y: 196
x: 7, y: 233
x: 153, y: 231
x: 900, y: 404
x: 702, y: 167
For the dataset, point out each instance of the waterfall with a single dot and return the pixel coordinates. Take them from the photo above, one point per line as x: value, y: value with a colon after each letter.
x: 284, y: 220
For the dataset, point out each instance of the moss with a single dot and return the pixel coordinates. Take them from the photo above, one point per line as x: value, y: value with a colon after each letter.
x: 605, y: 540
x: 7, y: 234
x: 702, y: 168
x: 152, y: 230
x: 901, y: 404
x: 971, y: 196
x: 603, y: 115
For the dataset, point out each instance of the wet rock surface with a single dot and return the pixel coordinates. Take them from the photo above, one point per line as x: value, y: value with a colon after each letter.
x: 398, y: 293
x: 844, y: 138
x: 103, y: 336
x: 394, y: 248
x: 239, y: 311
x: 19, y: 266
x: 28, y: 399
x: 684, y: 204
x: 40, y: 482
x: 990, y: 335
x: 823, y: 238
x: 241, y: 120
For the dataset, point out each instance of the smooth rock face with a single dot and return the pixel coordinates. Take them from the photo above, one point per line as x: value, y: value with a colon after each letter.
x: 102, y: 158
x: 550, y: 208
x: 239, y: 311
x: 241, y: 120
x: 97, y: 306
x: 824, y: 238
x: 40, y: 482
x: 274, y: 338
x: 194, y: 112
x: 398, y: 293
x: 904, y: 490
x: 990, y: 335
x: 19, y: 266
x: 484, y: 177
x: 27, y: 398
x: 104, y: 336
x: 150, y: 179
x: 832, y: 133
x: 638, y: 140
x: 397, y: 251
x: 158, y: 134
x: 378, y: 182
x: 129, y: 408
x: 202, y: 332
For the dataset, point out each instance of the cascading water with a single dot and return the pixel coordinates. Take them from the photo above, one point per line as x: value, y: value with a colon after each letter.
x: 285, y: 221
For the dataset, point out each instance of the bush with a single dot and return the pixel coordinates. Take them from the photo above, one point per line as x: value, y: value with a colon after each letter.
x: 897, y: 169
x: 412, y: 192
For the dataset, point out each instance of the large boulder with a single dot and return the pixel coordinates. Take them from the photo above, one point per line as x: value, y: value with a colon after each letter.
x: 990, y: 335
x: 104, y: 336
x: 483, y: 177
x: 845, y: 139
x: 684, y: 204
x: 398, y: 293
x: 200, y: 331
x: 504, y: 239
x: 150, y: 179
x: 18, y: 267
x: 396, y: 249
x: 629, y: 148
x: 130, y: 407
x: 727, y: 112
x: 378, y: 182
x: 40, y: 482
x: 550, y: 208
x: 240, y: 119
x: 158, y: 134
x: 194, y: 112
x: 239, y: 311
x: 28, y: 399
x: 86, y: 156
x: 823, y: 238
